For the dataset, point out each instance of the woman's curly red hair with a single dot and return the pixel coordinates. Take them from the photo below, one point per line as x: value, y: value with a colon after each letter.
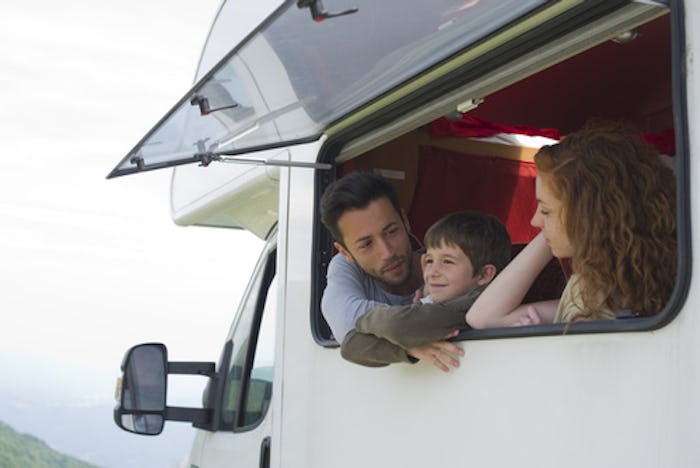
x: 619, y: 210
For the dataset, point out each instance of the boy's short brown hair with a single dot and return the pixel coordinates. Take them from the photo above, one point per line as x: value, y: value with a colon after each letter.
x: 482, y: 238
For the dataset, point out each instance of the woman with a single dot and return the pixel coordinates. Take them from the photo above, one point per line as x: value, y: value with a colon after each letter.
x: 607, y: 202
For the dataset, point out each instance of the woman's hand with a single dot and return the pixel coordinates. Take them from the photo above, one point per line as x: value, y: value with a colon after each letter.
x: 530, y: 317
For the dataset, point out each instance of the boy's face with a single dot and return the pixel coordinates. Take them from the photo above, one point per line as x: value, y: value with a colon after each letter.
x: 448, y: 273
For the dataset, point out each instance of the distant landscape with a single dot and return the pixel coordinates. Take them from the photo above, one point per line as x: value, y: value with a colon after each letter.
x: 23, y: 450
x: 88, y: 433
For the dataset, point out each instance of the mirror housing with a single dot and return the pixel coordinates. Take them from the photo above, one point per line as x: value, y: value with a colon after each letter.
x: 141, y: 392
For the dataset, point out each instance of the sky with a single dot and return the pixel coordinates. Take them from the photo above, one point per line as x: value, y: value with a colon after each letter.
x: 89, y: 266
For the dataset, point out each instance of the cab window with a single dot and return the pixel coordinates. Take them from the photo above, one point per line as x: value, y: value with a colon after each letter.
x: 248, y: 388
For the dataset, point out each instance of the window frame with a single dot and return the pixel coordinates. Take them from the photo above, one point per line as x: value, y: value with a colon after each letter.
x: 266, y: 275
x: 418, y: 102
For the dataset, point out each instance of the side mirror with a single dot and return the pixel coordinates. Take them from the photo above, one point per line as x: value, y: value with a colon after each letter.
x: 142, y: 390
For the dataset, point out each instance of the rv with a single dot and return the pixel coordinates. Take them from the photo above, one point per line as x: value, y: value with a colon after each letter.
x: 406, y: 89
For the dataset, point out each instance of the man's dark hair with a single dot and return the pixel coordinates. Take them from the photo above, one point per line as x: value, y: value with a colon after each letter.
x: 482, y: 238
x: 351, y: 192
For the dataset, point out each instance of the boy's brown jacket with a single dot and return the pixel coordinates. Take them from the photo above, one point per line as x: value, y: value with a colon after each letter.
x: 383, y: 334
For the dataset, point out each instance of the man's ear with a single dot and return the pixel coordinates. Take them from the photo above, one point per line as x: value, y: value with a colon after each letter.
x: 344, y: 252
x: 407, y: 226
x: 404, y: 218
x: 486, y: 274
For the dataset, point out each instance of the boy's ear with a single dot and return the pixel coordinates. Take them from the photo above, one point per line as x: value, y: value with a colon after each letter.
x: 344, y: 252
x: 486, y: 274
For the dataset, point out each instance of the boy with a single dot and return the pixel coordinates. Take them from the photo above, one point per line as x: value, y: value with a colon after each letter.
x: 465, y: 250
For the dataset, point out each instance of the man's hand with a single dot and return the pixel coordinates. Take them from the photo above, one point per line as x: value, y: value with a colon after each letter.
x: 418, y: 295
x: 441, y: 354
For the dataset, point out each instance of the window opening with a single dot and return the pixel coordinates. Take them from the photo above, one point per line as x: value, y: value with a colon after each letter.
x: 482, y: 159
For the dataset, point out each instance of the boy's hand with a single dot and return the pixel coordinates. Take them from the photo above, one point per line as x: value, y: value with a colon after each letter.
x: 441, y: 354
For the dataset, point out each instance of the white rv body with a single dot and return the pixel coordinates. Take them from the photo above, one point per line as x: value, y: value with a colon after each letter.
x: 613, y: 398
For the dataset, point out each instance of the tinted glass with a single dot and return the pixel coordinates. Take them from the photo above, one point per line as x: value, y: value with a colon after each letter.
x: 253, y: 344
x: 145, y: 379
x: 296, y: 75
x: 241, y: 346
x: 259, y: 391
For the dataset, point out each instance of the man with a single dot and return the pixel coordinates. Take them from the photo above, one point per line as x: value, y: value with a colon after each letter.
x: 375, y: 266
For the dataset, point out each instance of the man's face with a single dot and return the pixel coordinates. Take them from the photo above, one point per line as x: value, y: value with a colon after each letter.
x: 376, y: 240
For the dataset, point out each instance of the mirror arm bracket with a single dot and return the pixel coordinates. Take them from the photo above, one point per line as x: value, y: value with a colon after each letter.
x: 199, y: 417
x: 192, y: 368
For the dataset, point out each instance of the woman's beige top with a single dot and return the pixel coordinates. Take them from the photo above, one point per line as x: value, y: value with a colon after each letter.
x: 570, y: 305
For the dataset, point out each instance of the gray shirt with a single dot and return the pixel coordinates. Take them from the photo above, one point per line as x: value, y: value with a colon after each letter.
x: 349, y: 293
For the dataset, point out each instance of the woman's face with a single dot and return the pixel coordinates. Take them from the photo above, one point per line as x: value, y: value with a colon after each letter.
x: 549, y: 217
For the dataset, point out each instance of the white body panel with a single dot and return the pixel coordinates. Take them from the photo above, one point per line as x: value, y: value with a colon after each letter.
x: 222, y: 449
x: 586, y: 400
x: 604, y: 400
x: 227, y: 194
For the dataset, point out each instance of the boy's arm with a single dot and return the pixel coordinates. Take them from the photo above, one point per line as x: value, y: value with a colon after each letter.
x: 369, y: 350
x: 417, y: 325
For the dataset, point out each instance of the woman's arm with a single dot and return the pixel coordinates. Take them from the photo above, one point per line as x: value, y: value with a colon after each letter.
x: 500, y: 305
x: 418, y: 324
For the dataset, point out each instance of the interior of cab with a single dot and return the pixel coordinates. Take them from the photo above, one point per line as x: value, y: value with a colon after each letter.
x: 482, y: 158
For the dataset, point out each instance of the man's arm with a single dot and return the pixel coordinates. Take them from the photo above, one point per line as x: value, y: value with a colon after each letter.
x: 419, y: 324
x: 345, y: 297
x: 372, y: 351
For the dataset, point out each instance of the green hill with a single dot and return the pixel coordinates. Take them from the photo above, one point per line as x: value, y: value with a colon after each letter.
x: 23, y: 450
